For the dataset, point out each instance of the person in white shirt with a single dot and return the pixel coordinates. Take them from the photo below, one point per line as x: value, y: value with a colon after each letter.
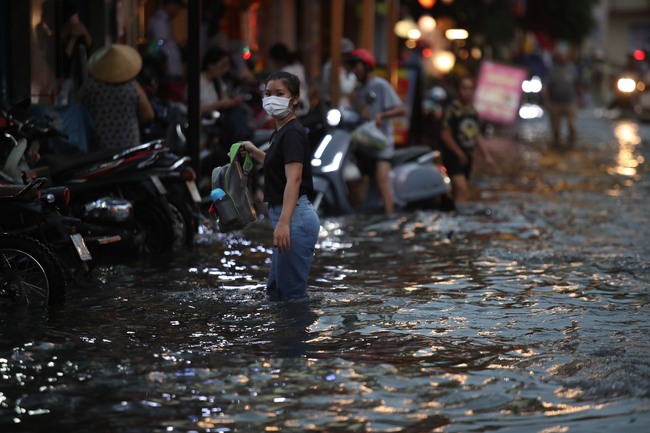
x: 160, y: 30
x: 347, y: 79
x: 284, y: 60
x: 214, y: 95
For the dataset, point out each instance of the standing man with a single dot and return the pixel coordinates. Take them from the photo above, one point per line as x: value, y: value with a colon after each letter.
x: 563, y: 94
x: 160, y: 32
x: 375, y: 99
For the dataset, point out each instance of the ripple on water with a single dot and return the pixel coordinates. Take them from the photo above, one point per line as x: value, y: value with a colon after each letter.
x: 529, y: 317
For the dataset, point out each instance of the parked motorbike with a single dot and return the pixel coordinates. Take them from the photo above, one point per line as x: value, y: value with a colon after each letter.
x: 120, y: 194
x: 29, y: 272
x: 40, y: 248
x: 417, y: 179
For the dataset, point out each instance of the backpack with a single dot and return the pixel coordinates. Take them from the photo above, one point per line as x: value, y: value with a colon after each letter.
x: 236, y: 181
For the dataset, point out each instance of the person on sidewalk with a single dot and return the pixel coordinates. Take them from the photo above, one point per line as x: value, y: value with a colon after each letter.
x: 461, y: 136
x: 114, y: 98
x: 282, y: 59
x: 347, y: 79
x: 160, y: 32
x: 563, y: 95
x: 234, y: 122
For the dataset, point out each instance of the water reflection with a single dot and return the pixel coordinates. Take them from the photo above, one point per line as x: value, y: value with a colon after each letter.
x: 628, y: 158
x: 531, y: 318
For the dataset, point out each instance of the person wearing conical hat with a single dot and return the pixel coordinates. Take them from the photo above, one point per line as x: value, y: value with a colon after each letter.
x: 114, y: 98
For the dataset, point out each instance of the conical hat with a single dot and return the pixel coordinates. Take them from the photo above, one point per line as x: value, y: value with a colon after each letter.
x: 115, y: 63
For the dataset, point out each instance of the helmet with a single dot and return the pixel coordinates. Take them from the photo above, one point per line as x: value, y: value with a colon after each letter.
x: 438, y: 93
x: 363, y: 56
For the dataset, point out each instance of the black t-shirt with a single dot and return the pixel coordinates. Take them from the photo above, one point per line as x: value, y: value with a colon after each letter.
x: 289, y: 144
x: 463, y: 121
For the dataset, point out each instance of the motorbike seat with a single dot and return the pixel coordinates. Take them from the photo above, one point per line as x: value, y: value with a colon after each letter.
x: 59, y: 163
x: 409, y: 153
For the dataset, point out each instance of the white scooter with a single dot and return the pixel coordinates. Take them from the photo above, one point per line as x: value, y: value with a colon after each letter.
x: 417, y: 180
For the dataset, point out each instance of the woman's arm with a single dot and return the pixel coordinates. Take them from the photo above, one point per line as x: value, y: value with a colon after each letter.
x: 396, y: 111
x: 449, y: 142
x: 222, y: 104
x: 282, y: 232
x: 480, y: 143
x: 145, y: 110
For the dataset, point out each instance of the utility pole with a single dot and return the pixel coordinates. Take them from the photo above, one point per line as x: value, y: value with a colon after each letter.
x: 193, y: 72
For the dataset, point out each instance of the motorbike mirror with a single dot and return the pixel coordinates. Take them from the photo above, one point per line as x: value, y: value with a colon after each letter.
x: 371, y: 97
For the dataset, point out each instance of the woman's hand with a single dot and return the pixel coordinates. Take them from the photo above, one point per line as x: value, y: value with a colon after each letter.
x: 463, y: 159
x: 257, y: 154
x: 282, y: 238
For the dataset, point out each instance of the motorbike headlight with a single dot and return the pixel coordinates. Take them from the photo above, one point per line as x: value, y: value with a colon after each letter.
x: 109, y: 209
x: 626, y: 85
x: 333, y: 117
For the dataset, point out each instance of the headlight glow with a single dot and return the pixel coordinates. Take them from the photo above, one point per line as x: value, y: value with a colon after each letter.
x: 626, y: 85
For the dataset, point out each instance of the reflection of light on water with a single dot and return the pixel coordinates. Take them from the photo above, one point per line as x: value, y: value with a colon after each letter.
x: 628, y: 138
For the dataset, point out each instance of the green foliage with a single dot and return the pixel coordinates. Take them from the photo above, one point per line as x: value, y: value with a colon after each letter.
x: 571, y: 20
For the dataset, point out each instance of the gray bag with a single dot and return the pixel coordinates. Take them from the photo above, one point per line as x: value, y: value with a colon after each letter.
x: 236, y: 181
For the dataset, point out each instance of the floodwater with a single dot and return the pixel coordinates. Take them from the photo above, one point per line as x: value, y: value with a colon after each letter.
x: 530, y: 317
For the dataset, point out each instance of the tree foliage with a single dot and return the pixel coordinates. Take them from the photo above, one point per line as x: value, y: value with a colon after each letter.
x: 572, y: 20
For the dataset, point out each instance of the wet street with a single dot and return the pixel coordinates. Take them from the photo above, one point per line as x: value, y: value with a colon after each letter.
x: 528, y: 312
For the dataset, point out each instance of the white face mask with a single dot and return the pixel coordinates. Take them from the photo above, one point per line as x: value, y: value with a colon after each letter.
x: 276, y: 106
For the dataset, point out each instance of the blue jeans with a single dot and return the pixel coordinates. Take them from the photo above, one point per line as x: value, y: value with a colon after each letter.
x: 290, y: 270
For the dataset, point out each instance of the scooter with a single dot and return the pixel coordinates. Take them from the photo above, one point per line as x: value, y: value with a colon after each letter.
x: 417, y: 179
x: 40, y: 248
x: 119, y: 193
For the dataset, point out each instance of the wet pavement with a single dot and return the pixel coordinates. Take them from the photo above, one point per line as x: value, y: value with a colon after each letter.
x: 528, y: 312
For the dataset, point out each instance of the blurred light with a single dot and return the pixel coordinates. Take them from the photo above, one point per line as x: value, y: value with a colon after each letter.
x: 428, y: 4
x: 454, y: 34
x: 414, y: 34
x: 334, y: 117
x: 246, y: 53
x: 534, y: 85
x: 426, y: 23
x: 411, y: 43
x: 444, y: 61
x: 476, y: 53
x: 427, y: 53
x: 530, y: 111
x: 628, y: 159
x: 639, y: 55
x: 403, y: 27
x: 626, y: 85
